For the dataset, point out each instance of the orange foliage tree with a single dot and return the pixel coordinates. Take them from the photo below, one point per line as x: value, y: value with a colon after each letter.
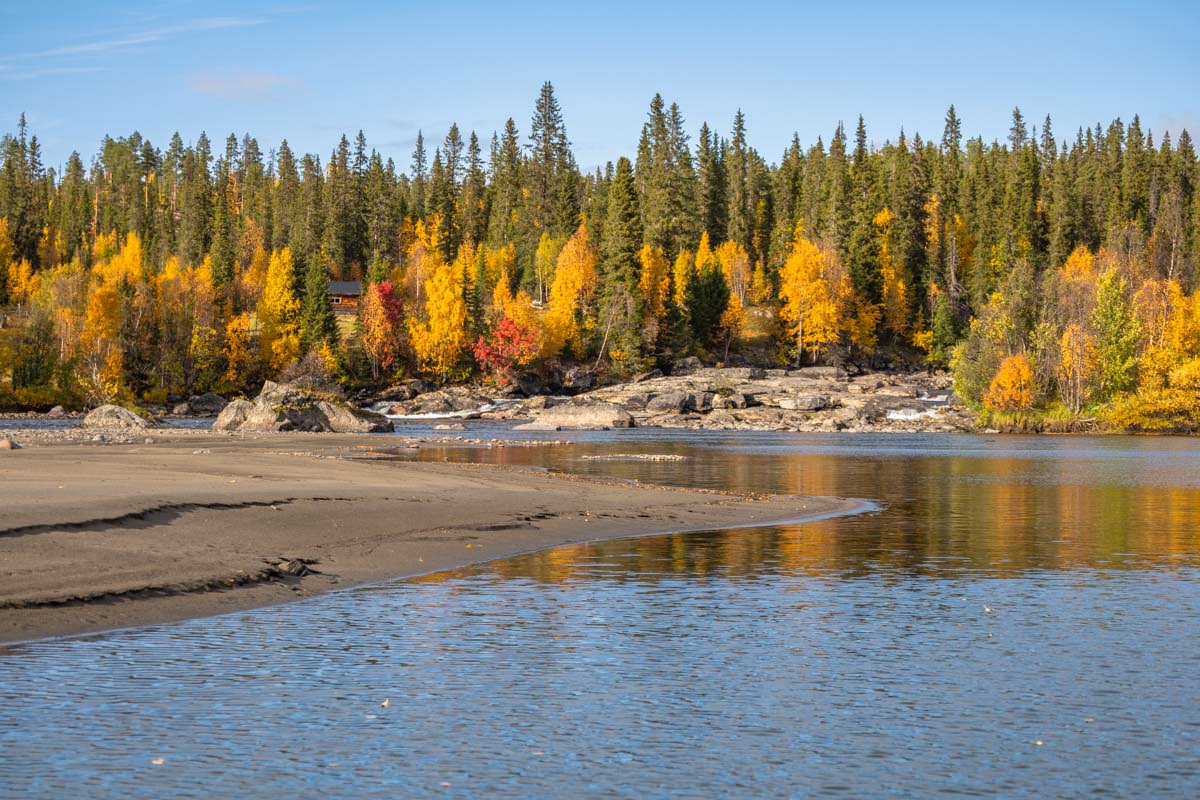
x: 1012, y: 387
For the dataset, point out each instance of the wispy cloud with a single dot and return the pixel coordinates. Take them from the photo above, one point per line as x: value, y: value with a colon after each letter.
x: 123, y: 41
x: 31, y: 74
x: 240, y: 85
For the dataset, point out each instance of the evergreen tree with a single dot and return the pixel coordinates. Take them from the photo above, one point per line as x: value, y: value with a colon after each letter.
x: 419, y: 178
x: 737, y: 165
x: 317, y: 321
x: 710, y: 185
x: 620, y: 317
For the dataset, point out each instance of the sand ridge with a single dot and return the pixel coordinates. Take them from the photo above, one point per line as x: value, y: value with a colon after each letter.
x: 100, y: 537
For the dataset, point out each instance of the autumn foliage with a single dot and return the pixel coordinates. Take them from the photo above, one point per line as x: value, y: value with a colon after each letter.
x: 1012, y: 388
x: 510, y: 347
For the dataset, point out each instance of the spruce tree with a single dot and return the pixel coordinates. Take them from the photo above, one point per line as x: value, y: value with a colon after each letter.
x: 419, y: 178
x: 737, y: 170
x: 317, y: 321
x: 710, y: 185
x: 620, y: 318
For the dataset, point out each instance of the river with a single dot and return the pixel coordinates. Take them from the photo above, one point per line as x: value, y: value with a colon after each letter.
x: 1018, y: 620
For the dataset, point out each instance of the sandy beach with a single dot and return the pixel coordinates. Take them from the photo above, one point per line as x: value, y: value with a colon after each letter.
x: 94, y: 537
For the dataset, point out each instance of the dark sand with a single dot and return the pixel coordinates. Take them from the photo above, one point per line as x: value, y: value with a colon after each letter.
x: 95, y: 537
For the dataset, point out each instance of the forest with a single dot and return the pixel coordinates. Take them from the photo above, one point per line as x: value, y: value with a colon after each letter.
x: 1058, y: 279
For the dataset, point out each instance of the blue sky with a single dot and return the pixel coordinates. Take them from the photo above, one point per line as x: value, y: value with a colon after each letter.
x: 309, y: 71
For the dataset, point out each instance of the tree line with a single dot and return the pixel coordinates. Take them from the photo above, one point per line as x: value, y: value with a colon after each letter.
x: 1054, y: 276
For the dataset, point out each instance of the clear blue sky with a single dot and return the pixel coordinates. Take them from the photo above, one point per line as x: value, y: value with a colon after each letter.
x: 309, y: 71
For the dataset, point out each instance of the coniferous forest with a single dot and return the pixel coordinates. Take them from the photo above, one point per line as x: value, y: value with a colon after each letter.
x: 1056, y: 273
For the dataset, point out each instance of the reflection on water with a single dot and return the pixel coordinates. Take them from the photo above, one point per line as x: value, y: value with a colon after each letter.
x: 1018, y: 621
x: 995, y: 505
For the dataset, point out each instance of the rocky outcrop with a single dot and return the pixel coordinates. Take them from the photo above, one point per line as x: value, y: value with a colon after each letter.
x: 233, y: 415
x: 289, y: 407
x: 208, y: 404
x: 450, y: 400
x: 805, y: 399
x: 579, y: 416
x: 110, y: 417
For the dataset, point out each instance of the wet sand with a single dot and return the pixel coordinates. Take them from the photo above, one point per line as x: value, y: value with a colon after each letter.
x: 94, y: 537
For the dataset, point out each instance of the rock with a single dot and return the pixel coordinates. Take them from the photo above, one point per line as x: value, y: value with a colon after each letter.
x: 209, y: 404
x: 110, y: 416
x: 580, y: 416
x: 453, y: 426
x: 686, y: 366
x: 677, y: 402
x: 816, y: 372
x: 233, y: 415
x: 646, y: 376
x: 403, y: 391
x: 744, y: 373
x: 578, y: 380
x: 816, y: 402
x: 530, y: 385
x: 540, y: 402
x: 734, y: 400
x: 290, y: 407
x: 181, y: 410
x: 56, y: 412
x: 638, y: 401
x: 9, y: 444
x: 701, y: 402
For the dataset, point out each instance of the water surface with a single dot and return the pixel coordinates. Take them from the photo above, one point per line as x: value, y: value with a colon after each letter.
x: 1018, y: 621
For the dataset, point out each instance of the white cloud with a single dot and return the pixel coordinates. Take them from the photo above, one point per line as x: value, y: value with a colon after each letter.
x: 240, y: 85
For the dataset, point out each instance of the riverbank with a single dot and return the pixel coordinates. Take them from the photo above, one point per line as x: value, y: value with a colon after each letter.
x: 810, y: 399
x: 186, y: 524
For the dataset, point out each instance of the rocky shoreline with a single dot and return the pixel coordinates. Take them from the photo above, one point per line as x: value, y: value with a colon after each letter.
x: 823, y: 399
x: 810, y: 399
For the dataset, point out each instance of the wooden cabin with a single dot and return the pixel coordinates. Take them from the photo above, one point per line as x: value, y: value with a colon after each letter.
x: 344, y: 296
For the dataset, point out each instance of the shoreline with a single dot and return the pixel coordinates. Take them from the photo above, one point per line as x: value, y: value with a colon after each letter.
x: 178, y: 527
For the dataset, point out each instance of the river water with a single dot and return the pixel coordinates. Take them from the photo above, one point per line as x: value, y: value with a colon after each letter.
x: 1019, y: 620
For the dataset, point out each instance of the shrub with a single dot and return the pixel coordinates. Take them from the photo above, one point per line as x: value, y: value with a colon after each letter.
x: 1012, y: 387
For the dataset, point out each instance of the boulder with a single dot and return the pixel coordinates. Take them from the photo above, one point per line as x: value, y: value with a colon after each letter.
x: 530, y: 384
x: 542, y: 401
x: 801, y: 402
x: 233, y: 415
x: 578, y: 380
x: 181, y: 410
x: 677, y: 402
x: 686, y: 366
x: 403, y: 391
x: 56, y: 412
x: 114, y: 417
x: 734, y: 400
x: 9, y: 444
x: 209, y: 404
x: 701, y: 402
x: 290, y: 407
x: 581, y: 417
x: 443, y: 401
